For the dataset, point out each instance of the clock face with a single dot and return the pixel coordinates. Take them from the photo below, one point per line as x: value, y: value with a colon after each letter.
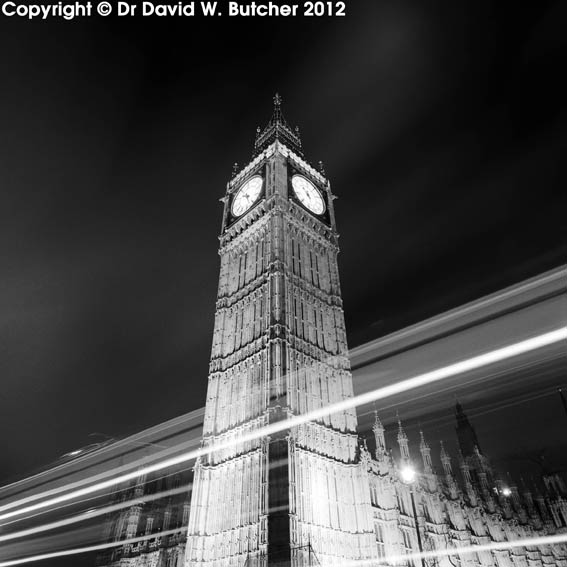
x: 246, y: 196
x: 308, y: 195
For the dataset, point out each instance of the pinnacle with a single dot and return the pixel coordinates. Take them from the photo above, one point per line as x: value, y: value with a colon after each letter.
x: 401, y: 432
x: 278, y: 129
x: 377, y: 422
x: 422, y: 443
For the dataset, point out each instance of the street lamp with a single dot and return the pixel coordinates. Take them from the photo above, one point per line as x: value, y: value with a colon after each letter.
x: 408, y: 476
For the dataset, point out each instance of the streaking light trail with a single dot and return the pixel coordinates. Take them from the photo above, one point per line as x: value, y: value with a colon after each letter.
x: 389, y: 560
x: 106, y: 474
x: 93, y: 513
x: 90, y: 514
x: 406, y: 385
x: 88, y: 549
x: 465, y: 550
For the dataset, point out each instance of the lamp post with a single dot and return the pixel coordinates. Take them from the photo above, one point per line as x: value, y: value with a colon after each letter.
x: 408, y: 476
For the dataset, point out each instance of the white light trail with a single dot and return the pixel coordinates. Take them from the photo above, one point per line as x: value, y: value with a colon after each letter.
x: 89, y: 549
x: 418, y: 381
x: 95, y: 512
x: 136, y: 464
x: 465, y: 550
x: 388, y: 560
x: 90, y: 514
x: 108, y: 495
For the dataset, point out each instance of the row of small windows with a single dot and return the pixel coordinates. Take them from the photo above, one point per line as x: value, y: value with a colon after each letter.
x: 309, y: 265
x: 311, y: 321
x: 328, y: 494
x: 405, y: 536
x: 229, y: 495
x: 239, y: 326
x: 315, y: 385
x: 133, y: 522
x: 314, y: 323
x: 235, y: 397
x: 237, y: 270
x: 240, y: 269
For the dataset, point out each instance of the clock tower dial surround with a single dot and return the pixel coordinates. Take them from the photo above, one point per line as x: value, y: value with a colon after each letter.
x: 247, y: 195
x: 279, y: 349
x: 308, y: 194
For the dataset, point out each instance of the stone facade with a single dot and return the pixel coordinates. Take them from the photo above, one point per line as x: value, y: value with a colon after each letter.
x: 279, y: 349
x: 461, y: 508
x: 313, y: 494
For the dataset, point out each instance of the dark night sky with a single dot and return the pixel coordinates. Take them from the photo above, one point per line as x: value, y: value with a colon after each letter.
x: 441, y: 127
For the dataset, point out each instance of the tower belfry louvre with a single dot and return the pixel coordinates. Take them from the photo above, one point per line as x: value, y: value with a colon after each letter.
x: 279, y: 349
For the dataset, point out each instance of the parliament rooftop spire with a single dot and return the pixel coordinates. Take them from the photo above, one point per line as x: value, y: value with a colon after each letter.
x: 278, y: 129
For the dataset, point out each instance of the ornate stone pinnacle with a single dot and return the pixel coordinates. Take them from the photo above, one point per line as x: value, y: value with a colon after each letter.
x: 401, y: 432
x: 278, y: 129
x: 277, y: 116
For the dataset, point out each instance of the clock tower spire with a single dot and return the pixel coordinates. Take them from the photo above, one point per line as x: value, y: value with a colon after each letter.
x: 278, y: 129
x: 279, y: 350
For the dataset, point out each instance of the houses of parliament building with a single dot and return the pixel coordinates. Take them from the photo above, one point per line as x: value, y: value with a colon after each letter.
x: 314, y: 493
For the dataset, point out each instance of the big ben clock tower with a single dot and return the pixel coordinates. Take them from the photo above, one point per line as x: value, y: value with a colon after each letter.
x: 279, y: 349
